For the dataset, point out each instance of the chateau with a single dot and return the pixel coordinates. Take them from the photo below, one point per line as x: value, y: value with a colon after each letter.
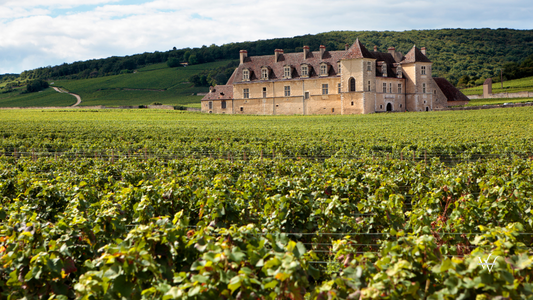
x: 353, y: 81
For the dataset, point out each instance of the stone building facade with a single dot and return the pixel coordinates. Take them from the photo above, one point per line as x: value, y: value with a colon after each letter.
x: 353, y: 81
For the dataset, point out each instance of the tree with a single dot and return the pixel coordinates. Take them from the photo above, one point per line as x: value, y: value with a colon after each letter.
x: 36, y: 85
x: 173, y: 62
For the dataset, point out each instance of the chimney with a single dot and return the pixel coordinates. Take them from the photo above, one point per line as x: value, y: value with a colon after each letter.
x: 423, y: 50
x: 210, y: 88
x: 277, y: 52
x: 306, y: 51
x: 375, y: 48
x: 322, y: 50
x: 392, y: 50
x: 243, y: 55
x: 346, y: 47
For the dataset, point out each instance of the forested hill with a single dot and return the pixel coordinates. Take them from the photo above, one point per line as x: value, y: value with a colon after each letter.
x: 471, y: 54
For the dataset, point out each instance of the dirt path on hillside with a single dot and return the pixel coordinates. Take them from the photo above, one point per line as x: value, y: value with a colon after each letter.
x: 72, y: 94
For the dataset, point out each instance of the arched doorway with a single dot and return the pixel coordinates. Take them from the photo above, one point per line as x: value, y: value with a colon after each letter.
x: 389, y: 107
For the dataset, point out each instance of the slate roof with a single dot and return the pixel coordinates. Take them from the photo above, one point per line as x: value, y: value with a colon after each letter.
x: 414, y: 55
x: 220, y: 92
x: 451, y: 92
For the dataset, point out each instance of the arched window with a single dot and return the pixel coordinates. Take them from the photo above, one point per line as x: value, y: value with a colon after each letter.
x: 352, y: 84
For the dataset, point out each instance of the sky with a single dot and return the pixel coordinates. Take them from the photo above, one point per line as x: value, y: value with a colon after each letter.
x: 37, y: 33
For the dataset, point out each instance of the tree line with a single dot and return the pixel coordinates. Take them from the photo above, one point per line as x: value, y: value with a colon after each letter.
x: 456, y: 53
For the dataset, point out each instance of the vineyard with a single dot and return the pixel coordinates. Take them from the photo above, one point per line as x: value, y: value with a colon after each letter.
x: 172, y: 205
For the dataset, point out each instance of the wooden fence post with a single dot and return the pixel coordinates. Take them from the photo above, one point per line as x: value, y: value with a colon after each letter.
x: 261, y: 154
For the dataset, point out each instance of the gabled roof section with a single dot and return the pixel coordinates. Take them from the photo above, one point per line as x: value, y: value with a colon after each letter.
x: 415, y: 55
x: 357, y: 50
x: 451, y: 92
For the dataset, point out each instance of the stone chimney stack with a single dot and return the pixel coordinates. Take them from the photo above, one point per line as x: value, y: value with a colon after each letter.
x: 306, y: 52
x: 322, y: 51
x: 243, y: 55
x: 392, y: 50
x: 346, y: 47
x: 375, y: 48
x: 277, y: 53
x: 423, y: 50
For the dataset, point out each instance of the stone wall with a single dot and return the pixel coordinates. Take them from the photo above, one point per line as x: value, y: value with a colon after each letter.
x: 503, y: 95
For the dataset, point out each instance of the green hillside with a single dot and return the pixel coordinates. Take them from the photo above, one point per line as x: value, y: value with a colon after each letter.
x: 48, y: 97
x: 511, y: 86
x: 154, y: 83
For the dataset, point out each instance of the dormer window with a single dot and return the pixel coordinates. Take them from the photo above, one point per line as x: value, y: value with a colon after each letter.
x: 369, y: 66
x: 399, y: 71
x: 423, y: 70
x: 384, y: 69
x: 323, y: 69
x: 245, y: 75
x: 264, y: 73
x: 305, y: 71
x: 287, y: 72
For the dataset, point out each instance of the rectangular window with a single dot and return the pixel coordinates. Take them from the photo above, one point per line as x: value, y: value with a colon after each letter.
x: 399, y: 88
x: 339, y: 66
x: 245, y: 75
x: 339, y: 86
x: 323, y: 70
x: 324, y: 89
x: 287, y: 91
x: 384, y: 87
x: 390, y: 88
x: 287, y: 72
x: 264, y: 73
x: 246, y: 93
x: 423, y: 88
x: 423, y: 70
x: 368, y: 86
x: 306, y: 95
x: 223, y: 104
x: 242, y: 108
x: 264, y: 92
x: 369, y: 66
x: 305, y: 71
x: 210, y: 105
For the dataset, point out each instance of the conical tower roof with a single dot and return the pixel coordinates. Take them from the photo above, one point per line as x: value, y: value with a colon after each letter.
x: 357, y: 50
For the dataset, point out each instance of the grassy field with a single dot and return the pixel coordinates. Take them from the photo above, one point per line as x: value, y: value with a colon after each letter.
x: 154, y: 83
x: 511, y: 86
x: 48, y: 97
x: 480, y: 102
x: 446, y: 132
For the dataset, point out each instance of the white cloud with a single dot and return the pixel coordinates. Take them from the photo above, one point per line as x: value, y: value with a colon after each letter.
x: 35, y: 35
